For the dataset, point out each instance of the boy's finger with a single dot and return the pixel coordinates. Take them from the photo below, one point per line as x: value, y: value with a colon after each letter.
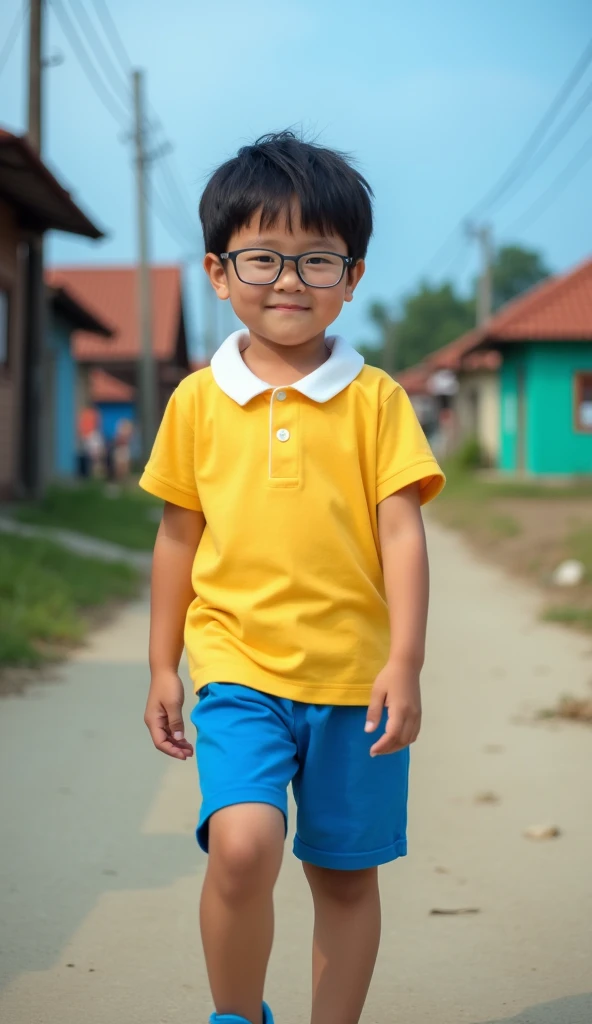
x: 175, y: 721
x: 375, y: 709
x: 391, y: 738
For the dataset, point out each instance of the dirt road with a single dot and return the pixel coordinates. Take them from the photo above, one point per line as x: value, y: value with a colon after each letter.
x: 99, y: 876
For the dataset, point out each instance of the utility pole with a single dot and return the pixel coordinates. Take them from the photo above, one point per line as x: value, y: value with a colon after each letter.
x: 482, y: 234
x: 32, y: 371
x: 146, y: 374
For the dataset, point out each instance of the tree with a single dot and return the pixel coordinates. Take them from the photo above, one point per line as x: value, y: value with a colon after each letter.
x: 429, y: 318
x: 515, y: 270
x: 434, y: 315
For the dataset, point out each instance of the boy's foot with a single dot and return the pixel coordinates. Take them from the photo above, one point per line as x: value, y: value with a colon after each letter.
x: 231, y: 1018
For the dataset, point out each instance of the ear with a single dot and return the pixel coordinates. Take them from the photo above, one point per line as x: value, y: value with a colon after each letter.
x: 216, y: 272
x: 354, y: 276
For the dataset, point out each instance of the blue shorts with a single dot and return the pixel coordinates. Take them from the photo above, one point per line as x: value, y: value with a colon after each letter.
x: 352, y: 808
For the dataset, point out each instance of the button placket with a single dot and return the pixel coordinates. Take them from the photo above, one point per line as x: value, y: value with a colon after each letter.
x: 283, y: 436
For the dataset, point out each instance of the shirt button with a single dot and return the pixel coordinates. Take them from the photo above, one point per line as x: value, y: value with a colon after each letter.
x: 281, y: 396
x: 283, y: 435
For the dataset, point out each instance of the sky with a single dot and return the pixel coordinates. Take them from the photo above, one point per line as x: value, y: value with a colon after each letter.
x: 434, y: 101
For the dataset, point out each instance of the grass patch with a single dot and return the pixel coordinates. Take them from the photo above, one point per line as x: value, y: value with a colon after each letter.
x: 127, y: 516
x: 462, y: 483
x: 44, y: 593
x: 569, y: 615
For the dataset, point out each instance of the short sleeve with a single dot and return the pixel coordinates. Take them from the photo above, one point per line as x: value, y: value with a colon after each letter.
x: 404, y: 456
x: 170, y: 472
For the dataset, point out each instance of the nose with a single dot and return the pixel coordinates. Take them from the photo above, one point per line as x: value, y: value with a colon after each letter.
x: 288, y: 281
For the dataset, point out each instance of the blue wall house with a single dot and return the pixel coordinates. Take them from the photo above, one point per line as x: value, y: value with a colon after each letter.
x: 65, y: 380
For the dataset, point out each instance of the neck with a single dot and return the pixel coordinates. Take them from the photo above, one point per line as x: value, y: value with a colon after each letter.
x: 284, y: 364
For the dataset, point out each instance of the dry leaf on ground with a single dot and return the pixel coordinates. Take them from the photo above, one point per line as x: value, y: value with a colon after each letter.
x: 487, y: 797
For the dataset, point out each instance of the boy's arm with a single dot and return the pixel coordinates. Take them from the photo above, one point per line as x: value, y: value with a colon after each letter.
x: 177, y: 541
x: 406, y: 579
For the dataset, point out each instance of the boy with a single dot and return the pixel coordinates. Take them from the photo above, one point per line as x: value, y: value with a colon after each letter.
x: 291, y: 560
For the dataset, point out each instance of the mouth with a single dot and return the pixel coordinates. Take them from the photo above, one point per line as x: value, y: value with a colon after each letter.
x: 289, y: 307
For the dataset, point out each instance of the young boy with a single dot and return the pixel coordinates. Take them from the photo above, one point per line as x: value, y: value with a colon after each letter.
x: 291, y: 561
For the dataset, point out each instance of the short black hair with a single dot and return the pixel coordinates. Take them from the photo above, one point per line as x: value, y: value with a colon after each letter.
x: 271, y: 173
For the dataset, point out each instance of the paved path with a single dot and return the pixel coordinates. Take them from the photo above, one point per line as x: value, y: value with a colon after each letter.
x: 79, y: 543
x: 99, y: 876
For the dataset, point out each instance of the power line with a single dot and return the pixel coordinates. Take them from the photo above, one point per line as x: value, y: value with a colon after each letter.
x: 13, y: 34
x: 559, y: 134
x: 513, y: 171
x: 102, y: 51
x: 111, y: 31
x: 532, y: 143
x: 557, y: 186
x: 88, y: 67
x: 178, y: 233
x: 176, y: 193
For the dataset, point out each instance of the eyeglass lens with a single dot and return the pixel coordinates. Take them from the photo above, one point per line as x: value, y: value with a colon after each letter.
x: 318, y: 269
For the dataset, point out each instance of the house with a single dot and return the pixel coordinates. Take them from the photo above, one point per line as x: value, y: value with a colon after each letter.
x: 544, y: 339
x: 524, y: 379
x: 67, y: 381
x: 114, y: 291
x: 114, y: 401
x: 455, y: 392
x: 32, y: 201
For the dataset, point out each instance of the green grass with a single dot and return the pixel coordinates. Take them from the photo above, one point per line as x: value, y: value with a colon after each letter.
x: 461, y: 483
x: 127, y: 517
x: 579, y: 545
x: 44, y: 593
x: 569, y: 615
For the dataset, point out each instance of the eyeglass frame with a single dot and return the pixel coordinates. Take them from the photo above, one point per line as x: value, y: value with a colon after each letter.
x: 348, y: 262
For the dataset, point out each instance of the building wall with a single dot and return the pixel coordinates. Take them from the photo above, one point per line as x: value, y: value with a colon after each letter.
x: 550, y: 443
x: 61, y: 402
x: 10, y: 374
x: 556, y: 446
x: 478, y: 410
x: 112, y: 413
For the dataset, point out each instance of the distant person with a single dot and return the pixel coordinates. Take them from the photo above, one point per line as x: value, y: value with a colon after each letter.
x: 291, y: 555
x: 91, y: 445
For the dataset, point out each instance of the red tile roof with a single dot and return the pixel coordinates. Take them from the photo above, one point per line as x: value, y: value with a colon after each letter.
x: 558, y: 309
x: 113, y: 290
x: 25, y: 182
x: 105, y: 388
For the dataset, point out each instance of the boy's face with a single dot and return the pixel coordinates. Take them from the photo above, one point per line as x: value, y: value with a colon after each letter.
x: 288, y: 312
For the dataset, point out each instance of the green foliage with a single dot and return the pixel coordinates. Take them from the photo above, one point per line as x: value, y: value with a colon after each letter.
x: 127, y: 516
x: 434, y: 315
x: 44, y: 591
x: 469, y: 456
x: 515, y: 270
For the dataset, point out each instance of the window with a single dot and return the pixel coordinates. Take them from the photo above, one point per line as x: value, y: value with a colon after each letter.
x: 3, y: 327
x: 583, y: 398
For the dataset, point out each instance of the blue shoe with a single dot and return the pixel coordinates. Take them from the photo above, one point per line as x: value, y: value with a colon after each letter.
x: 231, y: 1018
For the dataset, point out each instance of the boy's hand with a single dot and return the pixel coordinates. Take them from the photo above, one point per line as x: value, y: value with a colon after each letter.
x: 164, y: 716
x: 397, y: 688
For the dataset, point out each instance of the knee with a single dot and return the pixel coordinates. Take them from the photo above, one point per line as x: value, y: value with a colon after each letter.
x: 243, y: 864
x: 346, y: 888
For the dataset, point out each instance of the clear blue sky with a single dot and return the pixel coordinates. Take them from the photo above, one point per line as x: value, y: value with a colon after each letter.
x: 433, y: 99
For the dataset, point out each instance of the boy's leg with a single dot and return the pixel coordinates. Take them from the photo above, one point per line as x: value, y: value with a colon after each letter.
x: 246, y: 755
x: 345, y: 941
x: 246, y: 845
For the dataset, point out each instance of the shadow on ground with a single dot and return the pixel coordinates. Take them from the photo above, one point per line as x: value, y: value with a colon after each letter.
x: 569, y: 1010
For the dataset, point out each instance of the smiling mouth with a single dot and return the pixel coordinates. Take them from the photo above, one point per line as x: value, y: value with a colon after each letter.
x: 288, y: 307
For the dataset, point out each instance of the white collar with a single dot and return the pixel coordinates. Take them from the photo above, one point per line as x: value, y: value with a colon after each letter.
x: 233, y: 376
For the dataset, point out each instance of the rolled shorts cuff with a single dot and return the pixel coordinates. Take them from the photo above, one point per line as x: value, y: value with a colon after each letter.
x: 349, y: 861
x: 231, y: 797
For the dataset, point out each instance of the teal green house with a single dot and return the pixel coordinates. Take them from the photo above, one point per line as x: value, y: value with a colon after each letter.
x: 544, y: 341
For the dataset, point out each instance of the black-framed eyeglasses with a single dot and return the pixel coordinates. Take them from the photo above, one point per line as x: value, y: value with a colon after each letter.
x: 265, y: 266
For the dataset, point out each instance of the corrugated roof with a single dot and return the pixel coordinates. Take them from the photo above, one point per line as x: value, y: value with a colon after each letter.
x: 26, y: 183
x: 113, y: 291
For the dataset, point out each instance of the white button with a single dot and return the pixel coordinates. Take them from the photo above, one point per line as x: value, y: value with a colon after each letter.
x: 281, y: 396
x: 283, y: 435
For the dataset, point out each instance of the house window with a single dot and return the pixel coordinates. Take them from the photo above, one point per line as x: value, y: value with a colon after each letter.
x: 583, y: 398
x: 3, y: 327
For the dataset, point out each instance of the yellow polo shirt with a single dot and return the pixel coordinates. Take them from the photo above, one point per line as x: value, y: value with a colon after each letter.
x: 290, y: 593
